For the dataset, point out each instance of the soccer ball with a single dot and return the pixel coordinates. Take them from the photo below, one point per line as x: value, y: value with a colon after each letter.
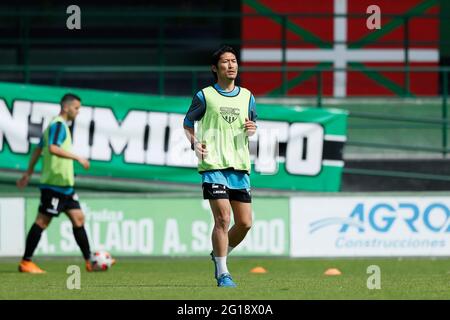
x: 101, y: 260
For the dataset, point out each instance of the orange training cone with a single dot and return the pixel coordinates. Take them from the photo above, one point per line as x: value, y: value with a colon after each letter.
x: 332, y: 272
x: 258, y: 270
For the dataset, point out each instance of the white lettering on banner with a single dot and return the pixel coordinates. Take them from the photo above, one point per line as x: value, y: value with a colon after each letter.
x: 126, y: 137
x: 145, y: 237
x: 127, y: 236
x: 107, y: 229
x: 129, y: 241
x: 200, y: 236
x: 260, y: 243
x: 42, y: 114
x: 269, y: 135
x: 299, y: 160
x: 158, y: 122
x: 14, y: 127
x: 67, y: 243
x: 95, y: 235
x: 277, y: 236
x: 81, y: 131
x: 372, y: 226
x: 44, y: 246
x: 345, y: 243
x: 172, y: 243
x: 265, y: 236
x: 102, y: 214
x: 158, y: 138
x: 136, y: 237
x: 179, y: 153
x: 113, y: 237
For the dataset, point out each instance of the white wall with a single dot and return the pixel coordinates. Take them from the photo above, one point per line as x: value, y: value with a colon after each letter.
x: 12, y: 226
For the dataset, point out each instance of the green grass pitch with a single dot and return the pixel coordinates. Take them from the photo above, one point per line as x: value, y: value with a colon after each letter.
x: 192, y: 279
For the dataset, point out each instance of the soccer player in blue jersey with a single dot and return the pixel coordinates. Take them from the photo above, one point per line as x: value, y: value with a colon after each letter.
x: 225, y: 114
x: 57, y: 183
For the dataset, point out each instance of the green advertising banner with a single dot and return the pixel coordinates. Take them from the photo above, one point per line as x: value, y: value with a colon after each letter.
x: 139, y: 136
x: 162, y: 227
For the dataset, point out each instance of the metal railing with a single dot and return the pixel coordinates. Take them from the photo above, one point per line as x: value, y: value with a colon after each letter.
x: 441, y: 122
x: 161, y: 41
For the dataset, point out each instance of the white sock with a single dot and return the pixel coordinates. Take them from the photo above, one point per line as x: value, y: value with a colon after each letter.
x: 230, y: 249
x: 221, y: 263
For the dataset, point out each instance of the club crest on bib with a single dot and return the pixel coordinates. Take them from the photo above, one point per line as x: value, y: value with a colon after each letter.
x: 229, y: 114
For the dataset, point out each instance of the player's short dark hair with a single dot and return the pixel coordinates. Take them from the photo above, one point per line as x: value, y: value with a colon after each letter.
x: 69, y: 97
x: 216, y: 56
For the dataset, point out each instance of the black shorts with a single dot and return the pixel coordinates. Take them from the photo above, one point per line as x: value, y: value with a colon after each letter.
x: 215, y: 191
x: 53, y: 203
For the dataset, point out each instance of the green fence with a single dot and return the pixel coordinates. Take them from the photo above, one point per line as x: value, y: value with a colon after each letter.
x: 434, y: 118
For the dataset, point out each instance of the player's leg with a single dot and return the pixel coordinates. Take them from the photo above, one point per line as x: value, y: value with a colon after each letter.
x: 240, y: 200
x: 221, y: 212
x: 242, y: 213
x: 49, y: 207
x: 76, y: 216
x: 217, y: 195
x: 34, y: 235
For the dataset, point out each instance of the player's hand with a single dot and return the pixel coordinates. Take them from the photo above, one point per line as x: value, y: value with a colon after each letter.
x: 85, y: 163
x: 200, y: 150
x: 23, y: 182
x: 250, y: 127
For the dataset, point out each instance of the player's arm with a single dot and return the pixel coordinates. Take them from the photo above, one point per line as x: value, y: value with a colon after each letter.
x: 250, y: 123
x: 195, y: 113
x: 190, y: 134
x: 56, y: 137
x: 23, y: 181
x: 58, y: 151
x: 197, y: 146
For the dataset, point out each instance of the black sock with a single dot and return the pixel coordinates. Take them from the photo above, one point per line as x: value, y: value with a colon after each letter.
x: 33, y: 237
x: 82, y: 241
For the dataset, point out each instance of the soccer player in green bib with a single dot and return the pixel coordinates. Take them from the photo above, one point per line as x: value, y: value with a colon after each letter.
x: 57, y: 183
x: 225, y: 116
